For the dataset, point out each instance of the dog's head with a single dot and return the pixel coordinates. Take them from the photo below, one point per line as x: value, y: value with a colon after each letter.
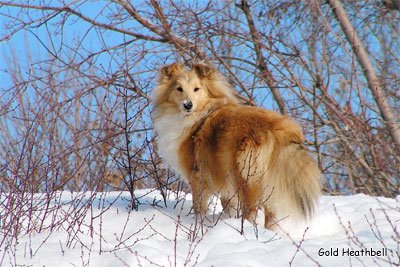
x: 190, y: 90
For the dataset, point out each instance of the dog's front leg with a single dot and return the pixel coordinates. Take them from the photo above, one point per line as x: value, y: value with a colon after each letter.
x: 200, y: 194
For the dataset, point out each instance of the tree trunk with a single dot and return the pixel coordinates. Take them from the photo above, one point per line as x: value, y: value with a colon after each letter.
x: 366, y: 65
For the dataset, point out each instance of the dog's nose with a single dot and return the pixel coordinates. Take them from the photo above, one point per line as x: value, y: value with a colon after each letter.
x: 188, y: 105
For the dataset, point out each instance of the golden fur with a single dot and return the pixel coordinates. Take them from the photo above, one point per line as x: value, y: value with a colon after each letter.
x: 252, y: 158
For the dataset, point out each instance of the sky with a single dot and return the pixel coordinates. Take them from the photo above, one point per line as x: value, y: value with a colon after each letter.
x: 39, y: 42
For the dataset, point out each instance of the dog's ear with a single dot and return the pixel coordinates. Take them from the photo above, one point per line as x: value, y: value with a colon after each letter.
x: 170, y: 70
x: 203, y: 71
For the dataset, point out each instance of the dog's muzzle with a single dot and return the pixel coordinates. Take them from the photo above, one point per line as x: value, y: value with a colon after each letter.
x: 187, y: 104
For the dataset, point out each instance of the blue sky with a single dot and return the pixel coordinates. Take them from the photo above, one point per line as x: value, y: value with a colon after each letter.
x: 40, y: 41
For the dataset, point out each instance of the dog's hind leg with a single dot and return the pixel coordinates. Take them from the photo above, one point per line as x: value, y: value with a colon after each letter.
x: 270, y: 219
x: 230, y: 205
x: 229, y: 197
x: 250, y: 203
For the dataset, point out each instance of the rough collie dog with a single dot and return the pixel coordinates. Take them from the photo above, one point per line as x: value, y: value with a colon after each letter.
x: 252, y: 158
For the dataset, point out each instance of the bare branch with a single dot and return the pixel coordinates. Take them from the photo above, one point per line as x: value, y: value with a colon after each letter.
x: 261, y: 62
x: 369, y: 72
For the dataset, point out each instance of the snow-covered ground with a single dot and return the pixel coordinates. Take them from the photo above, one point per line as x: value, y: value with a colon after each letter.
x: 99, y: 230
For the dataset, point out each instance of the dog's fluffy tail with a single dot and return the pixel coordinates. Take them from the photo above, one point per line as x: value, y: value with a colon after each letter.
x: 298, y: 180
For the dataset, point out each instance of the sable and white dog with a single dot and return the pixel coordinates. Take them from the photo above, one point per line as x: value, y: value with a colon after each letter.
x: 252, y: 158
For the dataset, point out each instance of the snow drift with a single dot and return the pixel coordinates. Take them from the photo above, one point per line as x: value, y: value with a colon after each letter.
x: 99, y: 229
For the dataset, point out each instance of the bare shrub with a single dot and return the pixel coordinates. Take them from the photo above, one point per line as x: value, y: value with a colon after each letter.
x: 387, y: 243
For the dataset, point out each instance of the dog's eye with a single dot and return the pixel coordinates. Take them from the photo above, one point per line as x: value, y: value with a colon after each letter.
x: 179, y: 89
x: 196, y: 89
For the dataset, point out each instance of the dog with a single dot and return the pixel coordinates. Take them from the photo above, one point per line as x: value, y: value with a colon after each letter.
x: 252, y: 158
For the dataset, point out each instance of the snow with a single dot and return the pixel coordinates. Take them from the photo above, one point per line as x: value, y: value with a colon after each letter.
x: 98, y: 229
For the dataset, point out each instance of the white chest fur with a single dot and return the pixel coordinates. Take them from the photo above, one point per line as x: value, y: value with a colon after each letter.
x: 171, y: 132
